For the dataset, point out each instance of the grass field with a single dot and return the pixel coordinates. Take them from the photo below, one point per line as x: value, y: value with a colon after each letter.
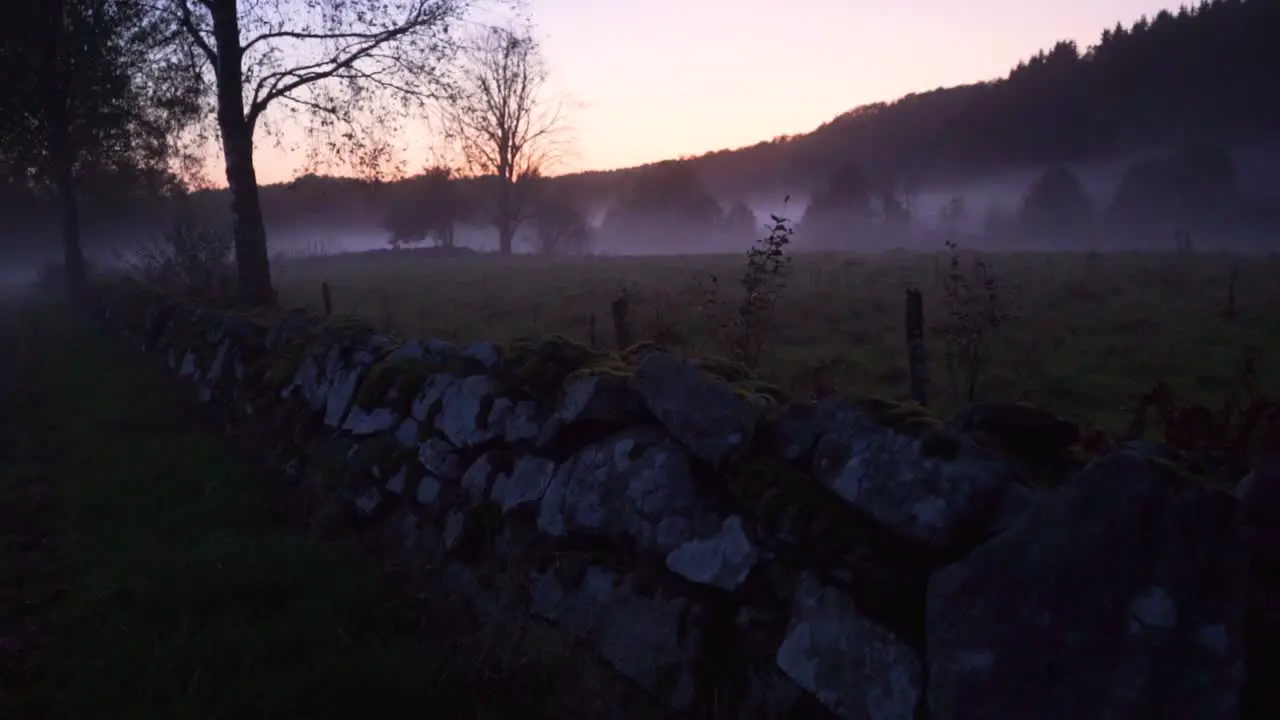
x: 141, y: 576
x: 1090, y: 331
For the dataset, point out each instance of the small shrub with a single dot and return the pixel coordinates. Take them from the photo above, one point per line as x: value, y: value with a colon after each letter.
x: 1245, y: 427
x: 973, y: 314
x: 186, y: 260
x: 663, y: 326
x: 747, y: 330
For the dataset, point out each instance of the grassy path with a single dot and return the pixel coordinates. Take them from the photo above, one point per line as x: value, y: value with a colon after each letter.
x: 140, y: 577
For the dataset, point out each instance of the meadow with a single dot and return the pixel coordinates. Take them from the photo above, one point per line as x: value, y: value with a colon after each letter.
x: 1083, y: 334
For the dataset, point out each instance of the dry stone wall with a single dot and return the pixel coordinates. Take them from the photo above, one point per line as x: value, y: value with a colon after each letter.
x: 727, y: 551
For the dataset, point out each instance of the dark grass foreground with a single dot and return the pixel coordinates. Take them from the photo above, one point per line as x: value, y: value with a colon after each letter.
x: 141, y: 578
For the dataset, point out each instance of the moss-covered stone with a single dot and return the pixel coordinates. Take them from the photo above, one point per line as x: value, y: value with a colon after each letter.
x: 900, y: 415
x: 274, y: 370
x: 405, y: 375
x: 632, y: 356
x: 541, y: 367
x: 760, y: 392
x: 610, y: 366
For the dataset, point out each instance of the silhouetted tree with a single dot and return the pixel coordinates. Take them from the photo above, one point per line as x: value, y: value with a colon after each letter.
x: 840, y: 208
x: 501, y: 120
x: 667, y: 204
x: 75, y: 105
x: 739, y: 224
x: 953, y: 216
x: 560, y: 224
x: 1194, y: 186
x: 1203, y: 177
x: 1144, y: 195
x: 893, y: 209
x: 429, y: 206
x: 847, y: 191
x: 349, y: 66
x: 1056, y: 205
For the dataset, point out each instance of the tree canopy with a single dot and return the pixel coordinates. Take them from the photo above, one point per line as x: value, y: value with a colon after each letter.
x: 85, y: 110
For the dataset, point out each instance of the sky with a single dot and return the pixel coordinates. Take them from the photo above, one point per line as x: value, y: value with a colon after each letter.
x: 648, y: 80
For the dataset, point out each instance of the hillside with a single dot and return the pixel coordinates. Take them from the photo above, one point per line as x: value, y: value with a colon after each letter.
x: 1205, y: 73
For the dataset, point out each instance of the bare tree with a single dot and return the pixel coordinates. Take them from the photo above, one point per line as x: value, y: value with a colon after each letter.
x: 351, y: 68
x: 500, y: 122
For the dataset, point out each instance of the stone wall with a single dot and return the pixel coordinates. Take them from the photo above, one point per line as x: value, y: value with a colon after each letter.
x: 729, y: 553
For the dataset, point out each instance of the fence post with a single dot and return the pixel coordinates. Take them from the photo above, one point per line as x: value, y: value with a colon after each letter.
x: 917, y: 372
x: 621, y: 322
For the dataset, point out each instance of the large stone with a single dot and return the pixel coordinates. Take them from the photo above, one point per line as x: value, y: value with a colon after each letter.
x: 1113, y: 598
x: 646, y: 637
x: 463, y: 416
x: 704, y: 413
x: 341, y: 393
x: 370, y: 422
x: 525, y: 484
x: 439, y: 458
x: 722, y: 560
x: 518, y: 421
x: 854, y: 667
x: 601, y: 397
x: 800, y: 425
x: 1259, y: 520
x: 637, y: 484
x: 428, y: 398
x: 891, y: 478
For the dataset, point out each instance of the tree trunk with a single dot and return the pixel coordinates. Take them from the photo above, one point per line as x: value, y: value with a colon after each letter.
x: 62, y: 154
x: 253, y: 264
x: 508, y: 221
x: 76, y: 275
x: 506, y: 236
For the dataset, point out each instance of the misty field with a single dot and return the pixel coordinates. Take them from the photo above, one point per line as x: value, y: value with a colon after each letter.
x: 1087, y: 332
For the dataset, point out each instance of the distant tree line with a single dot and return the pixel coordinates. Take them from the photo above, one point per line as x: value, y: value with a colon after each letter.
x: 98, y: 131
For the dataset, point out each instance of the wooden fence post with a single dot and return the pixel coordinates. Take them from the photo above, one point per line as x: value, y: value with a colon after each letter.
x: 917, y: 372
x: 621, y: 322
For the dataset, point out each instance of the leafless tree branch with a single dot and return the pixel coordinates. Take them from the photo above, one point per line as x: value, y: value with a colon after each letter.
x: 500, y: 122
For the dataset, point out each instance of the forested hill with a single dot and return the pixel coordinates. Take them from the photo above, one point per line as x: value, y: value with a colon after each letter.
x: 1206, y: 73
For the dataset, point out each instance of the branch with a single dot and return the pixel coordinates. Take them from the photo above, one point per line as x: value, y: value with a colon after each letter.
x: 295, y: 35
x: 342, y: 63
x: 280, y: 88
x: 188, y: 24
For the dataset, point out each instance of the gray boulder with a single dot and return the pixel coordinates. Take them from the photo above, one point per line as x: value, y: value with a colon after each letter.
x: 1112, y: 598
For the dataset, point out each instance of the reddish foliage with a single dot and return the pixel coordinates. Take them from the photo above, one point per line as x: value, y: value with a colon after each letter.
x: 1247, y: 425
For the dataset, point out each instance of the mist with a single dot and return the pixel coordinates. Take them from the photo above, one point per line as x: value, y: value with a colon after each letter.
x: 332, y: 224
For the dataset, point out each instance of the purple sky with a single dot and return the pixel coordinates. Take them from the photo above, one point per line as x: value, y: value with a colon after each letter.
x: 655, y: 79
